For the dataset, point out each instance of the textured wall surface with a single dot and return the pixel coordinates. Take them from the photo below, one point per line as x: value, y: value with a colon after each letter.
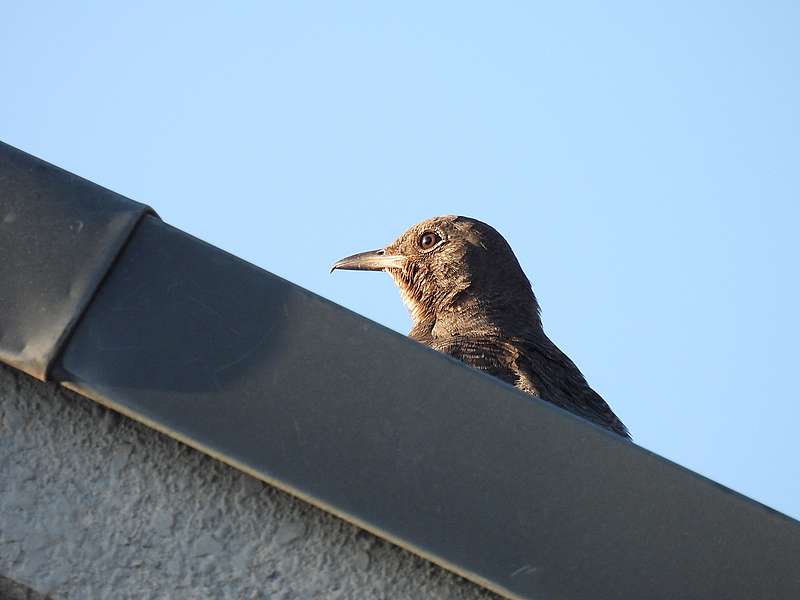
x: 94, y: 505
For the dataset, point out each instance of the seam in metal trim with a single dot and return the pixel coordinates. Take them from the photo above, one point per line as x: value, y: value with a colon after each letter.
x: 100, y: 279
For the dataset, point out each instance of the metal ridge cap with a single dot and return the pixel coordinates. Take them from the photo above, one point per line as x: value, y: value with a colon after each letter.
x: 59, y: 236
x: 508, y: 491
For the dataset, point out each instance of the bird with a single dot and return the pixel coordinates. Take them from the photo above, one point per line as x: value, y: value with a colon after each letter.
x: 469, y: 298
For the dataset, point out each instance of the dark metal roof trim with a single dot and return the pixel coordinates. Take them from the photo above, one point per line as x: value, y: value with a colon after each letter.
x: 59, y: 235
x: 458, y: 467
x: 514, y: 494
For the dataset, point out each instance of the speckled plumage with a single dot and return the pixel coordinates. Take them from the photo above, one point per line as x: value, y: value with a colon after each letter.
x: 469, y: 298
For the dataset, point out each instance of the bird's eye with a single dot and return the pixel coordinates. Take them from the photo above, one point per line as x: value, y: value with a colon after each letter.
x: 428, y: 240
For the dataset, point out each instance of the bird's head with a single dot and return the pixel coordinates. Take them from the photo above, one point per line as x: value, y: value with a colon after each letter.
x: 451, y: 264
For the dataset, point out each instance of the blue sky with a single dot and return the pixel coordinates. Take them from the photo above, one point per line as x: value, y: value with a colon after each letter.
x: 641, y: 158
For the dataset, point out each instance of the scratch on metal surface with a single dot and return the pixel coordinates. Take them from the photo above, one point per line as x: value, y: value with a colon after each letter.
x: 254, y: 348
x: 524, y: 570
x: 245, y: 354
x: 203, y: 305
x: 300, y: 439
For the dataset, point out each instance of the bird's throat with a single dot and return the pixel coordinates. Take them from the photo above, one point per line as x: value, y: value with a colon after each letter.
x: 419, y: 310
x: 464, y: 311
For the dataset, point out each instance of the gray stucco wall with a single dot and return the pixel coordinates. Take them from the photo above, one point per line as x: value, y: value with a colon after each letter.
x: 94, y: 505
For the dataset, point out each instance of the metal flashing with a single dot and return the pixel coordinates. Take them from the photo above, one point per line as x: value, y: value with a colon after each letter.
x: 456, y: 466
x: 59, y: 235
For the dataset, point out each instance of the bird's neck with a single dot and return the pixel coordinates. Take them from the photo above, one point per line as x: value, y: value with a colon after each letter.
x: 481, y: 315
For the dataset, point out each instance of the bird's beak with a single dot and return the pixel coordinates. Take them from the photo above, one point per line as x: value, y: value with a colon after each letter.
x: 374, y: 260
